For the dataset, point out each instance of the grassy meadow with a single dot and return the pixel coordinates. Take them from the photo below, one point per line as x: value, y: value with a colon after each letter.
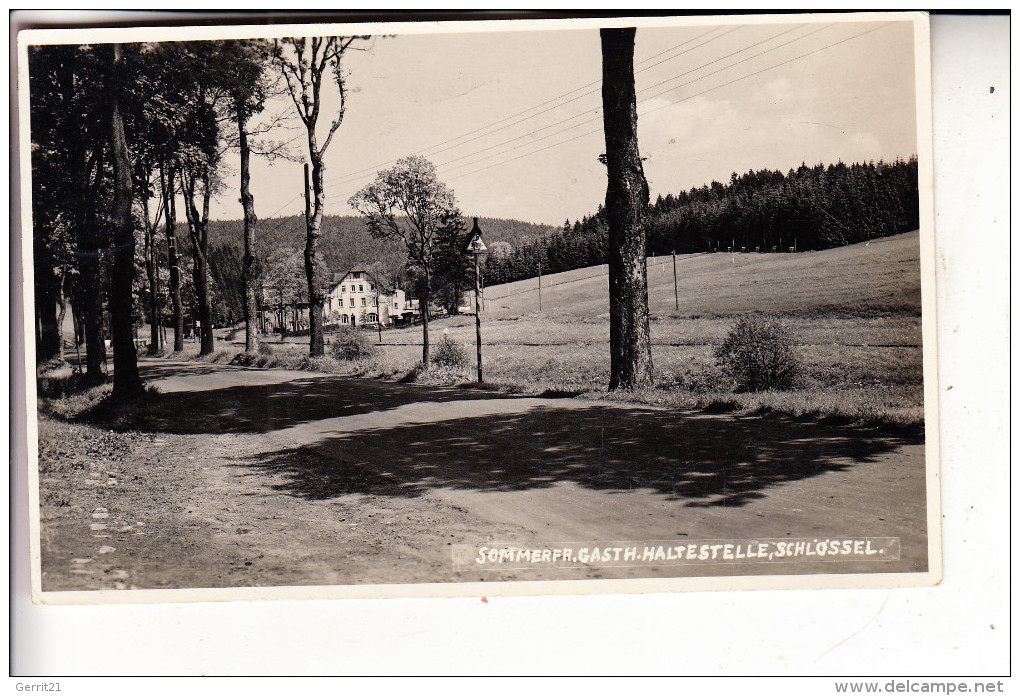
x: 854, y: 314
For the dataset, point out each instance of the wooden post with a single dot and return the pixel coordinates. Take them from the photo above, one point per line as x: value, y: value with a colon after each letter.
x: 676, y: 292
x: 478, y: 316
x: 539, y: 284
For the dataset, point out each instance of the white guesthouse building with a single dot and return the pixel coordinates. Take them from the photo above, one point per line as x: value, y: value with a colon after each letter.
x: 357, y: 298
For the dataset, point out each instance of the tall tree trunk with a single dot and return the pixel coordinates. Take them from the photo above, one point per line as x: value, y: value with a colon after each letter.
x: 423, y: 306
x: 198, y: 229
x: 62, y: 314
x: 89, y: 281
x: 126, y: 380
x: 248, y: 270
x: 89, y: 238
x: 150, y: 276
x: 170, y: 196
x: 47, y: 332
x: 160, y: 328
x: 626, y: 202
x: 316, y: 298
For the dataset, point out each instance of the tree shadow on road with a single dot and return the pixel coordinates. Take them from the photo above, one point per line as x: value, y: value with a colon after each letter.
x: 264, y: 407
x: 701, y: 459
x: 480, y: 440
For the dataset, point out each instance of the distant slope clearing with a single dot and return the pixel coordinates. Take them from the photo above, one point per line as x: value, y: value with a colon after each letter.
x: 879, y: 276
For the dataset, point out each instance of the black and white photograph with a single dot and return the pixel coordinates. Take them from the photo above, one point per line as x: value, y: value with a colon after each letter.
x: 485, y: 307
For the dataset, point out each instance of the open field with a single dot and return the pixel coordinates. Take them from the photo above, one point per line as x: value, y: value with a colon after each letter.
x: 853, y: 312
x: 215, y: 478
x: 878, y: 276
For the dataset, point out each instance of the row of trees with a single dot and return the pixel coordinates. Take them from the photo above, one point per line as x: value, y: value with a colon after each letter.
x: 809, y: 207
x: 281, y: 269
x: 120, y: 136
x: 409, y: 204
x: 345, y: 241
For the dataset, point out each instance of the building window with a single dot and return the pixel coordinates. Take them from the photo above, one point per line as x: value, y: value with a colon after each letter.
x: 341, y: 301
x: 343, y: 318
x: 361, y: 288
x: 362, y: 301
x: 342, y: 289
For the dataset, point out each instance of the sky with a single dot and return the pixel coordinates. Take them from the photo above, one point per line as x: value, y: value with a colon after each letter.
x: 512, y: 118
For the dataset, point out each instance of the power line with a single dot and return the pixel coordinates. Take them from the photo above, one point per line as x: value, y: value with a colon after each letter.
x: 593, y: 119
x: 686, y: 98
x: 587, y: 93
x: 344, y: 178
x: 671, y: 79
x: 691, y: 96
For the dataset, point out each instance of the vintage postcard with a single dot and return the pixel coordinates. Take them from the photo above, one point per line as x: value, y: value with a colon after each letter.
x: 479, y: 307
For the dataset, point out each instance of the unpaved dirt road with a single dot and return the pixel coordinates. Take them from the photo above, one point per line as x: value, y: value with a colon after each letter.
x: 245, y: 477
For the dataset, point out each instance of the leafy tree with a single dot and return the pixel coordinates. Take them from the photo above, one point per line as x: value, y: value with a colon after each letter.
x: 69, y: 130
x: 626, y: 201
x: 169, y: 192
x: 250, y: 84
x: 205, y: 74
x: 305, y: 62
x: 283, y: 284
x: 226, y: 265
x: 407, y: 202
x: 149, y: 225
x: 453, y: 269
x: 198, y: 188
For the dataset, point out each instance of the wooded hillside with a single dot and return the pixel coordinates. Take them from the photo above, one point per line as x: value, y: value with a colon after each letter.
x: 810, y: 208
x: 346, y: 241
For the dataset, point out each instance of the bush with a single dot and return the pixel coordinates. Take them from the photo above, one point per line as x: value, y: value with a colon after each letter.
x: 322, y: 363
x: 449, y: 353
x: 698, y: 379
x: 757, y: 354
x: 350, y: 344
x: 245, y: 360
x: 265, y: 349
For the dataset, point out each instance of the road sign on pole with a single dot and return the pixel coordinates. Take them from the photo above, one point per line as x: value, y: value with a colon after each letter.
x: 476, y: 247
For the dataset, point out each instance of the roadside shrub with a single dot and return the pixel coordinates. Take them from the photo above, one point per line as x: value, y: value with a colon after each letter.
x: 245, y: 360
x: 350, y: 344
x: 698, y: 379
x: 265, y: 349
x: 220, y: 357
x: 323, y: 363
x: 412, y: 375
x: 757, y: 354
x: 56, y: 384
x: 449, y: 353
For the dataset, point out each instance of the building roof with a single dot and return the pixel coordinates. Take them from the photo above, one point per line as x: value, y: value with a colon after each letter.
x: 340, y: 277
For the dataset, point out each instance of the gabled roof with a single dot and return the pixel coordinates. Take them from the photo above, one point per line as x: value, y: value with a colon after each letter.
x: 341, y: 277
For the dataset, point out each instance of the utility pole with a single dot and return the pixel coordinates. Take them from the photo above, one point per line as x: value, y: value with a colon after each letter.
x: 476, y: 247
x: 539, y: 284
x: 676, y: 292
x: 478, y: 318
x: 378, y: 308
